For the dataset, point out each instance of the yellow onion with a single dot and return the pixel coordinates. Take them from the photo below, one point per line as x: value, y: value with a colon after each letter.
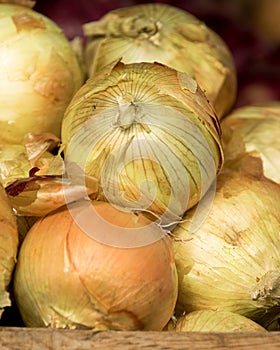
x: 255, y: 129
x: 149, y: 136
x: 90, y: 265
x: 169, y: 35
x: 9, y: 247
x: 39, y: 73
x: 213, y: 321
x: 231, y: 260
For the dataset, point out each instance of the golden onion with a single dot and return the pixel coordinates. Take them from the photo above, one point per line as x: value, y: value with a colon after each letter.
x: 90, y: 265
x: 231, y: 261
x: 148, y: 134
x: 9, y: 247
x: 254, y: 129
x: 169, y: 35
x: 213, y: 321
x: 39, y: 73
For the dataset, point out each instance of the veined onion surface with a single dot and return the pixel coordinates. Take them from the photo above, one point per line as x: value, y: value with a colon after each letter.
x: 231, y: 262
x: 148, y: 134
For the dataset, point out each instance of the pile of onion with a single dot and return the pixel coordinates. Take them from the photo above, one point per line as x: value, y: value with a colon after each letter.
x: 90, y: 265
x: 230, y: 260
x: 162, y: 203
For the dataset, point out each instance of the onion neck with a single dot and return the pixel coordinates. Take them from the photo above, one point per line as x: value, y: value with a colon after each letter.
x: 127, y: 115
x: 139, y: 26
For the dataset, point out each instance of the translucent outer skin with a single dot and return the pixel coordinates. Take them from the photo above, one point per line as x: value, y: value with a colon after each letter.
x: 169, y: 35
x: 66, y: 279
x: 8, y: 248
x: 39, y: 73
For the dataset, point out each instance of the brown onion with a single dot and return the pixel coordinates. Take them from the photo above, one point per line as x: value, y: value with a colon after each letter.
x: 67, y: 277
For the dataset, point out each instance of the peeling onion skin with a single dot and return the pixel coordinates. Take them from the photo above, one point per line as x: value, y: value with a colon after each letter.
x: 213, y: 321
x: 9, y: 240
x: 39, y: 73
x: 232, y: 261
x: 66, y: 279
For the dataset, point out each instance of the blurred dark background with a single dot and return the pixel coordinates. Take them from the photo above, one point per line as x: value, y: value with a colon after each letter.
x: 250, y: 28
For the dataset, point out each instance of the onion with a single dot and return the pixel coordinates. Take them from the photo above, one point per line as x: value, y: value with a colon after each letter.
x: 213, y: 321
x: 93, y: 266
x: 169, y: 35
x: 39, y: 73
x: 230, y: 261
x: 9, y: 247
x: 254, y: 128
x: 148, y: 135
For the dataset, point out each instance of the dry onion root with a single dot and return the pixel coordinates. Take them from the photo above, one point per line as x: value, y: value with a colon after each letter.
x: 66, y: 277
x: 9, y: 248
x: 169, y: 35
x: 231, y: 261
x: 148, y: 135
x: 213, y: 321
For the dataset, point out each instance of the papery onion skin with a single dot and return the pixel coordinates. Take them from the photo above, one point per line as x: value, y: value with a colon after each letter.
x: 213, y: 321
x: 254, y: 128
x: 66, y: 279
x: 231, y: 262
x: 9, y: 247
x: 14, y: 163
x: 169, y: 35
x: 144, y: 123
x: 39, y: 73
